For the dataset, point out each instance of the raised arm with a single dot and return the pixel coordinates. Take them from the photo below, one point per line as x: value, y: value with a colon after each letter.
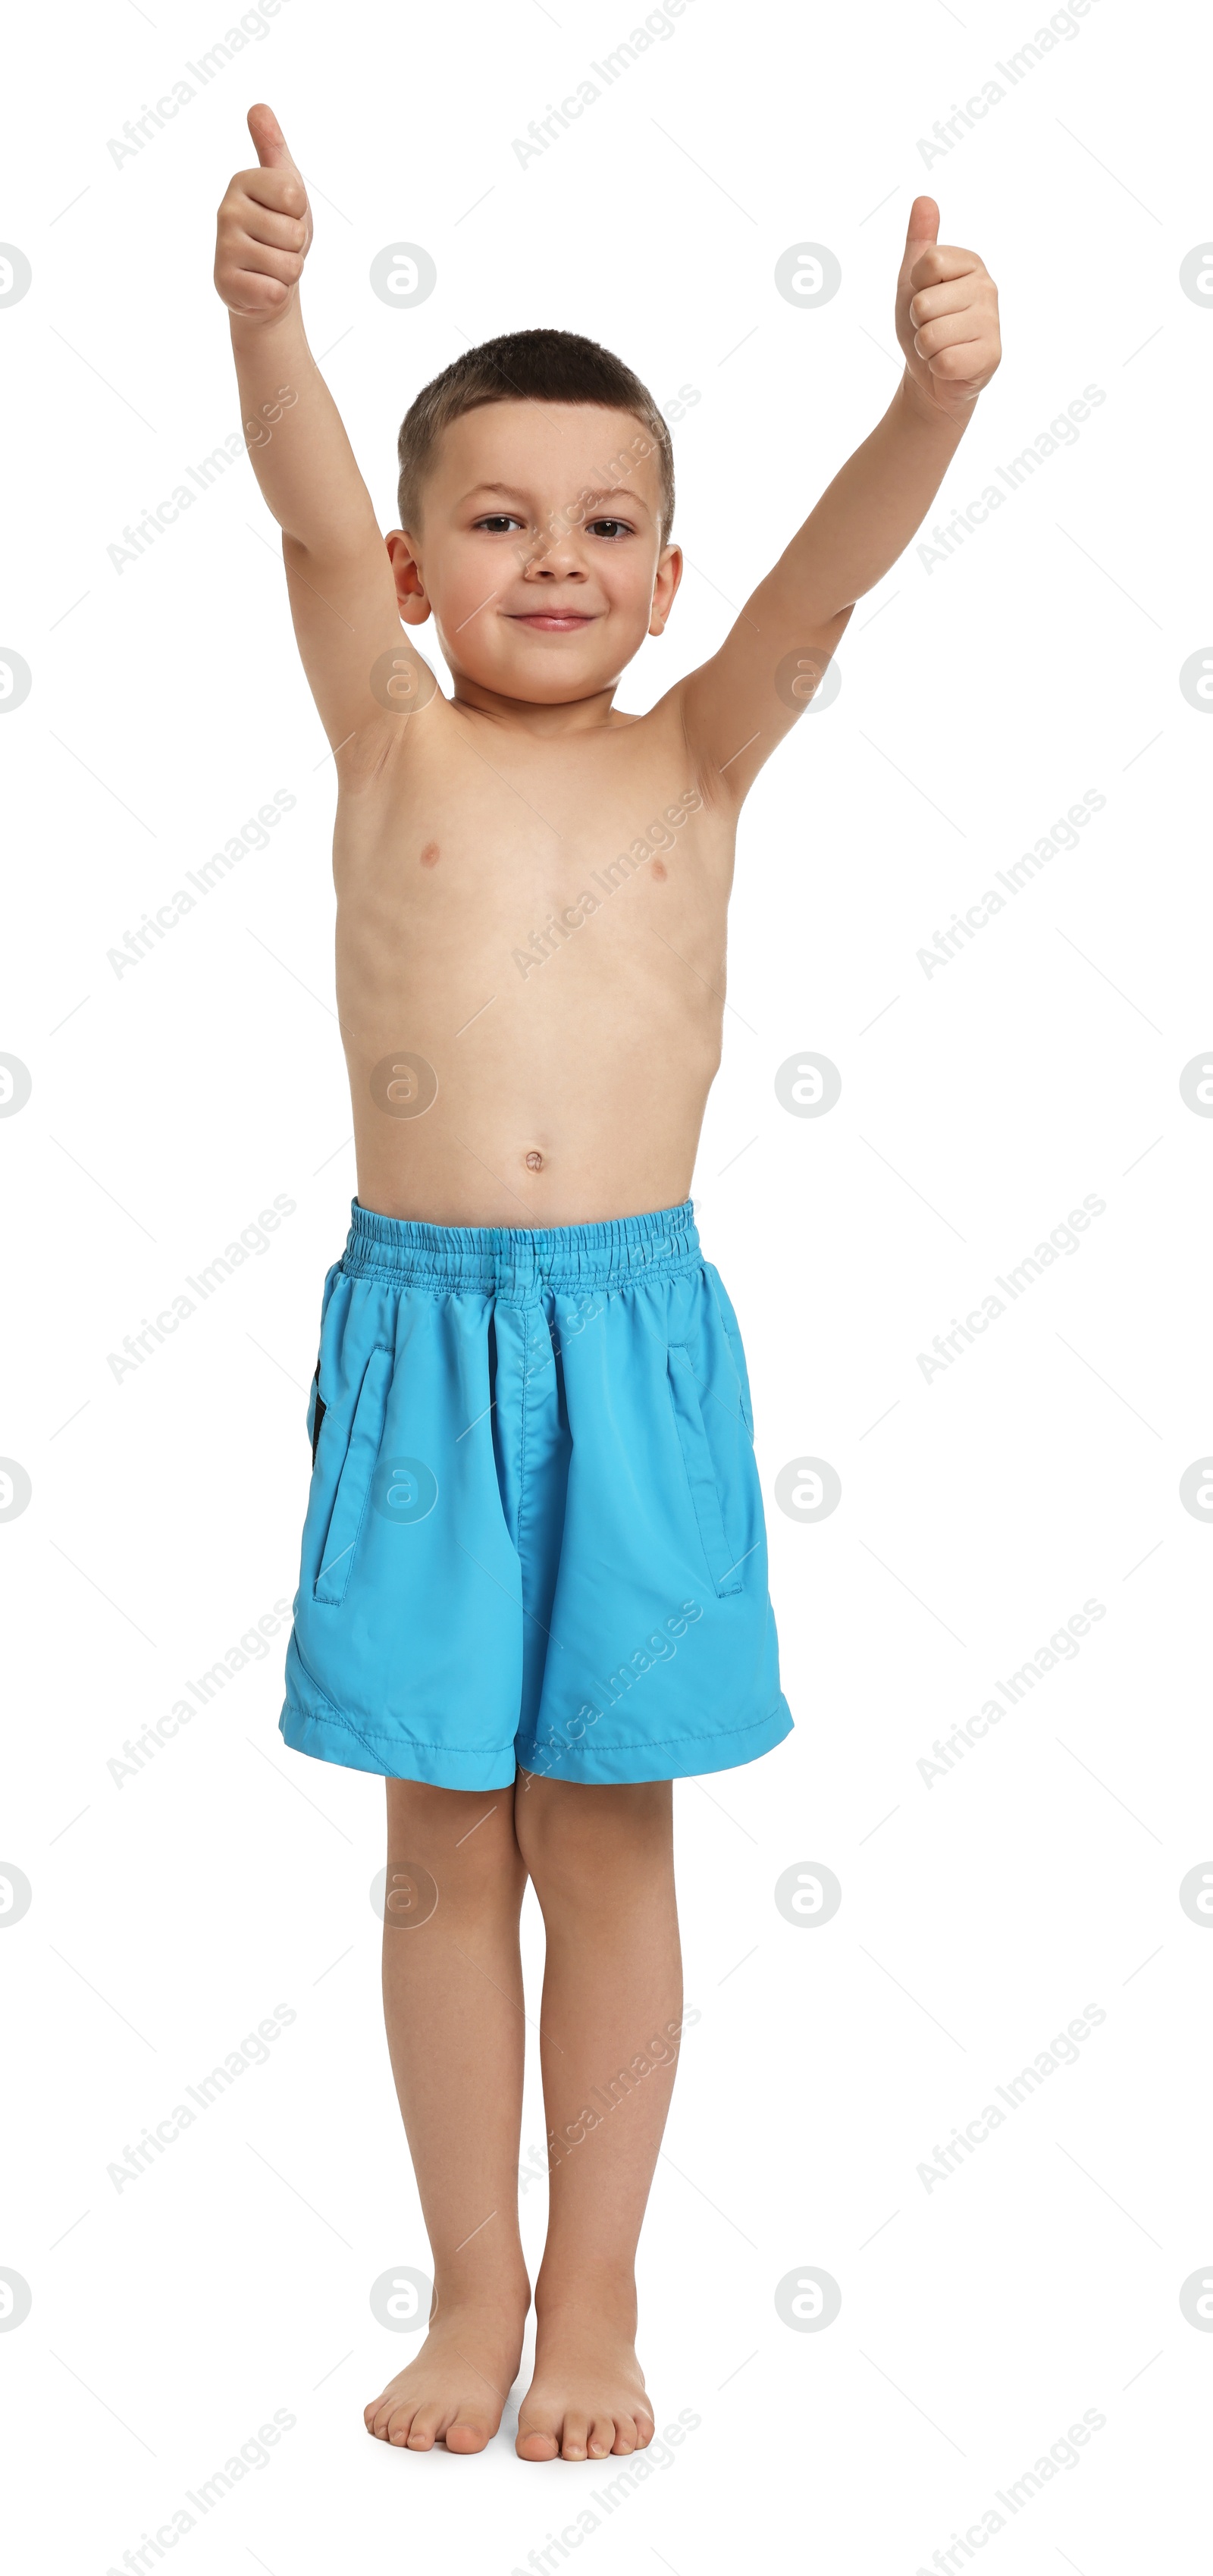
x: 362, y: 673
x: 738, y: 706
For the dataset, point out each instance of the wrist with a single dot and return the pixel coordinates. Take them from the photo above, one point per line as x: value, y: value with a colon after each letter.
x: 919, y: 408
x: 259, y: 330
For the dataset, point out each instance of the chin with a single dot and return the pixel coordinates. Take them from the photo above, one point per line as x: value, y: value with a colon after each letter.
x: 555, y: 679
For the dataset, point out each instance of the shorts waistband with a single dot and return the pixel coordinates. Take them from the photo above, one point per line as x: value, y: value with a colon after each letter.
x: 518, y: 1261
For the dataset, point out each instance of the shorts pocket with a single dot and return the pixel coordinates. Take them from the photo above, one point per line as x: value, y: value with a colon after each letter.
x: 316, y: 1410
x: 701, y: 1475
x: 354, y: 1481
x: 733, y: 1336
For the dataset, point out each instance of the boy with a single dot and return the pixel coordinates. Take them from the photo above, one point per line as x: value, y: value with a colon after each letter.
x: 533, y: 1588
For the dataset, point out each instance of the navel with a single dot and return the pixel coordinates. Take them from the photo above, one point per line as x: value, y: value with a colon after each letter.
x: 534, y: 1162
x: 430, y: 855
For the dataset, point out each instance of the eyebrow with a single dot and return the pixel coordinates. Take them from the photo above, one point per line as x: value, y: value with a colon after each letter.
x: 510, y: 492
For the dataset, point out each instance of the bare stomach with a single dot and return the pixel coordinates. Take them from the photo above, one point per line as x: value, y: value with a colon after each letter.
x: 531, y: 1009
x: 557, y: 1108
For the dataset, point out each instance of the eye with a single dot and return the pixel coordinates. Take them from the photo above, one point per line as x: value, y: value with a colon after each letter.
x: 498, y: 523
x: 612, y: 529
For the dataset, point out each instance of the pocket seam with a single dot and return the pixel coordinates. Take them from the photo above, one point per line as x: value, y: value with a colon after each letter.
x: 318, y: 1410
x: 736, y: 1347
x: 705, y: 1483
x: 333, y: 1597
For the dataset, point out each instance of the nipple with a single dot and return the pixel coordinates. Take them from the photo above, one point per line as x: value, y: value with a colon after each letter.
x: 430, y: 855
x: 534, y: 1162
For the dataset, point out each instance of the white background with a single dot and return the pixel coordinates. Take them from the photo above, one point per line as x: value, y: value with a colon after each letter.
x: 979, y: 699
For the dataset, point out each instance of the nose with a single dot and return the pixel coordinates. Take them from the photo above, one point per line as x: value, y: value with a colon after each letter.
x: 554, y: 558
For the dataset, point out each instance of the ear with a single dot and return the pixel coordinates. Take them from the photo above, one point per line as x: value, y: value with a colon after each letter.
x: 411, y: 601
x: 669, y: 574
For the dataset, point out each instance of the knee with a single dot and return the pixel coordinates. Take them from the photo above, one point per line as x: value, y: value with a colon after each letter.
x: 463, y: 1839
x: 422, y: 1819
x: 575, y: 1840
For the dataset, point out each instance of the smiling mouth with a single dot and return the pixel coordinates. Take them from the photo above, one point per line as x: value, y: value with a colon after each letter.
x: 553, y: 621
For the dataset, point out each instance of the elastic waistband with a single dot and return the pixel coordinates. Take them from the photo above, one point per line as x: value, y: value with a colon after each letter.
x: 518, y: 1261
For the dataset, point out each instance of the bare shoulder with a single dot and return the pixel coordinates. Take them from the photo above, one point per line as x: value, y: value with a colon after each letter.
x: 402, y: 720
x: 655, y: 740
x: 677, y: 744
x: 665, y: 800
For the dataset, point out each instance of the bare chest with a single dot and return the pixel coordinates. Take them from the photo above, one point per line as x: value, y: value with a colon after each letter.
x: 585, y: 877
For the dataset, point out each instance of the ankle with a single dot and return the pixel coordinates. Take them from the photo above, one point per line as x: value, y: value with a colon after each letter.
x: 504, y: 2292
x: 603, y: 2289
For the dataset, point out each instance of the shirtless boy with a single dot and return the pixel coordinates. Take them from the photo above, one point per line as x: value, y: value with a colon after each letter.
x: 533, y: 1589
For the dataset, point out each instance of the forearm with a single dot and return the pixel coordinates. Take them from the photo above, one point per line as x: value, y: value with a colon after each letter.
x: 297, y: 444
x: 751, y: 692
x: 868, y: 514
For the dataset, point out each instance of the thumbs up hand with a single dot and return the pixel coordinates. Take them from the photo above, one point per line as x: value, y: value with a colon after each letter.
x: 264, y: 228
x: 947, y: 318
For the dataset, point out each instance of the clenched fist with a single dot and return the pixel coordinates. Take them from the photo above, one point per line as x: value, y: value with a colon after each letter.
x: 265, y: 228
x: 947, y: 317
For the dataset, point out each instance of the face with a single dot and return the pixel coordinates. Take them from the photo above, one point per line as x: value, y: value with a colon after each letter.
x: 538, y: 552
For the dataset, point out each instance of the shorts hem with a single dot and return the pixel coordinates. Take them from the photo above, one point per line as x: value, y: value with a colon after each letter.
x: 683, y: 1757
x: 334, y: 1738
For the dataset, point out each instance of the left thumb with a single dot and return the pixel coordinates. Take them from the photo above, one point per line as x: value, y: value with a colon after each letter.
x: 923, y: 227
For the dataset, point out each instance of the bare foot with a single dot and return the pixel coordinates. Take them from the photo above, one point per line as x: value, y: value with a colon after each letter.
x: 455, y: 2389
x: 587, y: 2397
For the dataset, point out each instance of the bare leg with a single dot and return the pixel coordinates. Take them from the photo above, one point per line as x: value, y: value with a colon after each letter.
x: 452, y: 2000
x: 602, y: 1864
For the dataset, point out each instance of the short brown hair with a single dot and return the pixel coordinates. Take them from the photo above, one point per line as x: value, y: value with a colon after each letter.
x: 527, y: 366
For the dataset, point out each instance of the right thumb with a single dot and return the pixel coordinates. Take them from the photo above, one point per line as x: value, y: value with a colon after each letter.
x: 272, y: 150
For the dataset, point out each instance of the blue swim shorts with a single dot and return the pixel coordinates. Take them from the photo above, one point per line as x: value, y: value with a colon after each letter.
x: 534, y: 1536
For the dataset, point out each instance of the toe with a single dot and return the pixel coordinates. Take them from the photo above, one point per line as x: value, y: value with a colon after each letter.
x: 425, y: 2427
x: 625, y: 2436
x: 536, y: 2443
x: 602, y: 2434
x: 395, y: 2423
x: 576, y: 2436
x: 469, y: 2432
x: 645, y: 2429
